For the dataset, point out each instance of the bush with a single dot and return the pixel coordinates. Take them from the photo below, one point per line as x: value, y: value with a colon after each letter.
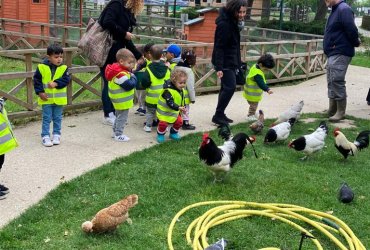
x: 314, y: 27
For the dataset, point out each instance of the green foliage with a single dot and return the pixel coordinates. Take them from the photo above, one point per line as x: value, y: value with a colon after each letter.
x: 314, y: 27
x: 191, y: 11
x: 169, y: 176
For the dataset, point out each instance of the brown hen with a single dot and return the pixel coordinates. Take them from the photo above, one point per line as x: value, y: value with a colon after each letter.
x: 110, y: 217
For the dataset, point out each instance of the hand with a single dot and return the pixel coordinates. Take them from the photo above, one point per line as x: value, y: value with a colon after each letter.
x: 141, y: 60
x: 270, y: 92
x: 43, y: 96
x: 220, y: 74
x: 182, y: 109
x: 52, y: 85
x: 129, y: 36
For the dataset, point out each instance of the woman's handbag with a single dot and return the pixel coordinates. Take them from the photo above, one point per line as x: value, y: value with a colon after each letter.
x: 241, y: 74
x: 95, y: 43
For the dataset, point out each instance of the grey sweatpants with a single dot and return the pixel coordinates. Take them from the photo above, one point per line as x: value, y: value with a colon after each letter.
x: 120, y: 122
x: 336, y: 72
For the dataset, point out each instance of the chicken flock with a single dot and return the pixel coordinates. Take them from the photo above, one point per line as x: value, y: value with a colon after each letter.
x: 220, y: 159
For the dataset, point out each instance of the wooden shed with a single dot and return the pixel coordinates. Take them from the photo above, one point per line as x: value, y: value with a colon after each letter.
x: 202, y: 29
x: 43, y: 11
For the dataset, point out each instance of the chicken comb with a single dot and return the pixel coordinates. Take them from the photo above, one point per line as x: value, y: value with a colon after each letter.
x: 205, y: 136
x: 336, y: 130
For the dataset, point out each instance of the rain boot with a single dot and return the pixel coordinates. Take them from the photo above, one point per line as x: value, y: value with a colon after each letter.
x: 341, y: 111
x: 332, y: 107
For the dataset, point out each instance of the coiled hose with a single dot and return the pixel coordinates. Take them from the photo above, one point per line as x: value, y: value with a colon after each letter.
x: 231, y: 210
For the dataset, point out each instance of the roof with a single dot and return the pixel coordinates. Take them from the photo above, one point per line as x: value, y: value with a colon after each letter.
x: 194, y: 21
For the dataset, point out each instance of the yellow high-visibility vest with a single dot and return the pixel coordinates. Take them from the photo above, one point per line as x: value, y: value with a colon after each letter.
x: 156, y: 87
x: 121, y: 99
x: 7, y: 139
x: 164, y: 112
x: 55, y: 96
x: 252, y: 92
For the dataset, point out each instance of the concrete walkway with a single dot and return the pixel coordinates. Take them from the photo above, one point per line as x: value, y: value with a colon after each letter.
x: 32, y: 170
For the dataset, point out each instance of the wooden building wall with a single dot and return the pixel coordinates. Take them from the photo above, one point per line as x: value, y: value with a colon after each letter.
x: 202, y: 31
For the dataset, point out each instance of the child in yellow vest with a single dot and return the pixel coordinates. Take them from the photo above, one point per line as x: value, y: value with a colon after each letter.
x: 256, y: 84
x: 7, y: 142
x: 171, y: 104
x: 153, y: 79
x: 50, y: 82
x: 121, y: 90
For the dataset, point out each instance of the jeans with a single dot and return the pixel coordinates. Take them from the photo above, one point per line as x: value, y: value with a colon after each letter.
x: 228, y: 86
x: 107, y: 103
x: 51, y: 112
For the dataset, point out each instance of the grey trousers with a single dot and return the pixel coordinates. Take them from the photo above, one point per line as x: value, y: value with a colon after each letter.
x: 120, y: 122
x: 150, y: 115
x: 336, y: 72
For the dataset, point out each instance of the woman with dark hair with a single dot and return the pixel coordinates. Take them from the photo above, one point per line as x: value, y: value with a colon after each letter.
x: 226, y: 53
x: 118, y: 18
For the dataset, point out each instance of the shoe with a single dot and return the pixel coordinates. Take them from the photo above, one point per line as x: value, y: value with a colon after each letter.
x: 160, y: 138
x: 219, y: 120
x: 155, y: 123
x: 251, y: 118
x: 2, y: 195
x: 175, y: 136
x: 46, y: 141
x: 143, y: 112
x: 4, y: 189
x: 187, y: 126
x: 121, y: 138
x: 56, y: 139
x: 228, y: 119
x: 138, y: 111
x: 147, y: 129
x: 108, y: 121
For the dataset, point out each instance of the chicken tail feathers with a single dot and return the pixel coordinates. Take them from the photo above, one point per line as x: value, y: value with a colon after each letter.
x: 362, y: 140
x: 251, y: 142
x: 324, y: 126
x: 224, y: 132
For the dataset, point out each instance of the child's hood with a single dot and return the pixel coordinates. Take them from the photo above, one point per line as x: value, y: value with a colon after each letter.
x: 159, y: 69
x: 112, y: 70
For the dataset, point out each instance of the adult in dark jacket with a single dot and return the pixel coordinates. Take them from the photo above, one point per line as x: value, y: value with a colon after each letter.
x: 340, y: 38
x: 118, y: 17
x: 226, y: 53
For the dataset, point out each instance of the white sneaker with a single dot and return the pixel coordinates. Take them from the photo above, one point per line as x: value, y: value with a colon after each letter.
x: 108, y: 121
x: 121, y: 138
x: 46, y: 141
x: 56, y: 139
x: 147, y: 129
x: 251, y: 118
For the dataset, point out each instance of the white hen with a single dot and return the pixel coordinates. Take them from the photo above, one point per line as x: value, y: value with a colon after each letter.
x: 292, y: 112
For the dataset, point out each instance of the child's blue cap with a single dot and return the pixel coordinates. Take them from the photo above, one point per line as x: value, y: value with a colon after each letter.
x: 174, y: 49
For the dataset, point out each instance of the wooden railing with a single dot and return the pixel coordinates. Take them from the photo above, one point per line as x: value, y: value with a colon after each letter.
x: 294, y: 60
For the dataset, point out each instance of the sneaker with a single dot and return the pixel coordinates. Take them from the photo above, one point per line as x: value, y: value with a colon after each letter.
x: 218, y: 120
x: 160, y: 138
x: 46, y: 141
x: 121, y: 138
x: 109, y: 121
x: 251, y: 118
x: 138, y: 111
x: 187, y: 126
x: 147, y: 129
x: 56, y: 139
x: 142, y: 112
x: 175, y: 136
x: 4, y: 189
x: 2, y: 195
x: 155, y: 123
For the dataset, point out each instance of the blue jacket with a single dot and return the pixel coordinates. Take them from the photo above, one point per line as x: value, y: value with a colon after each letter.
x: 37, y: 78
x: 341, y: 34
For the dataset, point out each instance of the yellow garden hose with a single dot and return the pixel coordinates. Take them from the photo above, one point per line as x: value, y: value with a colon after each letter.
x: 224, y: 211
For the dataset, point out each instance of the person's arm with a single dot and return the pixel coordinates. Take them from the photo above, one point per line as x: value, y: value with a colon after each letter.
x: 126, y: 83
x: 261, y: 83
x: 63, y: 81
x: 169, y: 100
x: 109, y: 21
x: 349, y: 26
x: 37, y: 82
x: 221, y: 39
x: 145, y: 81
x: 131, y: 47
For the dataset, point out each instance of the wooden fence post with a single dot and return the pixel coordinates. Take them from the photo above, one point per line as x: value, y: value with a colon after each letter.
x: 68, y: 62
x: 28, y: 61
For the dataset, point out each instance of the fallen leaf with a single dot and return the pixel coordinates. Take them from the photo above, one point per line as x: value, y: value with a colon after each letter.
x: 47, y: 240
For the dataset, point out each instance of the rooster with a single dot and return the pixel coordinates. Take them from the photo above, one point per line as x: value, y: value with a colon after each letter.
x: 220, y: 159
x: 110, y: 217
x: 258, y: 125
x: 346, y: 147
x: 292, y: 112
x: 311, y: 143
x: 279, y: 132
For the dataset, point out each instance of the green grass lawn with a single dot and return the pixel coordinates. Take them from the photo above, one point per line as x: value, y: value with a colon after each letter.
x: 169, y: 177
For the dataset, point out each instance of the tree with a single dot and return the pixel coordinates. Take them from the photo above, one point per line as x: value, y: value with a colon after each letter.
x: 321, y: 10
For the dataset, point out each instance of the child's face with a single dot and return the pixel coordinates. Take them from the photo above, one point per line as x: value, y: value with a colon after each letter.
x: 180, y: 82
x: 56, y: 59
x: 148, y: 56
x: 128, y: 63
x: 169, y: 56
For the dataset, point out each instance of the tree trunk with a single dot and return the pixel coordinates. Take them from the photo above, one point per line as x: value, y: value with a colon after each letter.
x: 321, y: 10
x: 249, y: 10
x: 266, y: 5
